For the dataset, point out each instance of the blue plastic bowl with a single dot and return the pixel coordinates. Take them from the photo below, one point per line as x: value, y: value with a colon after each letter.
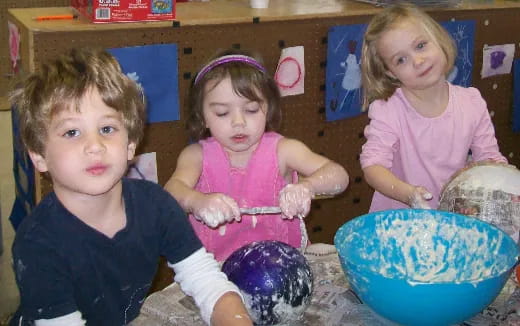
x: 425, y: 267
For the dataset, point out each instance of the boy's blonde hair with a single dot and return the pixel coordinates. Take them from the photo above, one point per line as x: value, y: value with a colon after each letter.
x: 376, y: 83
x: 61, y: 84
x: 247, y: 80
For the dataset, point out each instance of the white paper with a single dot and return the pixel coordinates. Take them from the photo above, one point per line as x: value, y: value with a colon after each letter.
x: 290, y: 73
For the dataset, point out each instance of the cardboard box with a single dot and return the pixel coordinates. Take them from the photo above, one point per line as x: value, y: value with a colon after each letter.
x: 109, y: 11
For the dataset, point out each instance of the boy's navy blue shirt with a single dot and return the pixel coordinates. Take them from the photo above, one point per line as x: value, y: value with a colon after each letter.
x: 63, y: 265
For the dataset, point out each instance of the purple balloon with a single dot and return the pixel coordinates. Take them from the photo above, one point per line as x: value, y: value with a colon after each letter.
x: 274, y: 278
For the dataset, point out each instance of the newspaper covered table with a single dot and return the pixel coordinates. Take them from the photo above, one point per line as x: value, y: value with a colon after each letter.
x: 333, y: 303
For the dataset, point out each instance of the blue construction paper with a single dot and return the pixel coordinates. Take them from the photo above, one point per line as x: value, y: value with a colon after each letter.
x: 463, y: 32
x: 516, y: 95
x: 155, y: 68
x: 23, y: 172
x: 343, y: 77
x: 342, y: 82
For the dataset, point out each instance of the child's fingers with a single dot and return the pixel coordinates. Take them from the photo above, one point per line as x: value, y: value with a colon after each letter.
x: 420, y: 197
x: 295, y: 199
x: 233, y: 212
x: 217, y: 209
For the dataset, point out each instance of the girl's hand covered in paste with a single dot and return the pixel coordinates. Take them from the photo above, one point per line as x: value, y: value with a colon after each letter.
x: 419, y: 198
x: 295, y: 200
x: 216, y: 209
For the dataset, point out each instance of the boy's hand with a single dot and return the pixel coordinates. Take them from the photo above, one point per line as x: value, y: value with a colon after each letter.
x: 215, y: 209
x: 295, y: 200
x: 419, y: 198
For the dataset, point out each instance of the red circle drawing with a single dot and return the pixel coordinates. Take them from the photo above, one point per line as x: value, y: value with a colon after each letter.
x: 293, y: 80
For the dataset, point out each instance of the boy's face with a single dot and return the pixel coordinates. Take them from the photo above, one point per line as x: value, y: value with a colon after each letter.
x: 86, y: 152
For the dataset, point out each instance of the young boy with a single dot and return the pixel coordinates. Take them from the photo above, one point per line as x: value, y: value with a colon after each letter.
x: 88, y: 252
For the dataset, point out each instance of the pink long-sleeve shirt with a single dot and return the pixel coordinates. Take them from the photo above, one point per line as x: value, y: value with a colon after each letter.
x: 427, y: 151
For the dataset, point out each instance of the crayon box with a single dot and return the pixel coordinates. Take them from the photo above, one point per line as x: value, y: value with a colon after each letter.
x: 109, y: 11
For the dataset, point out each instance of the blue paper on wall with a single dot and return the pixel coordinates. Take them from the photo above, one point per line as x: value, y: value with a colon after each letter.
x: 155, y: 68
x: 463, y: 32
x: 516, y: 95
x: 24, y: 177
x: 343, y: 75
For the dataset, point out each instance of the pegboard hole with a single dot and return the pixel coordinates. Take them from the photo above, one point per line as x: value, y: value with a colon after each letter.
x: 317, y: 228
x: 358, y: 179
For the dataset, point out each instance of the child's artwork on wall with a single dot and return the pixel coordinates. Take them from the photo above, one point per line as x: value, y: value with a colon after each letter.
x: 14, y: 46
x: 463, y: 32
x: 155, y: 68
x: 497, y: 59
x: 290, y: 73
x: 516, y: 96
x: 343, y: 91
x: 343, y: 74
x: 24, y: 176
x: 144, y: 167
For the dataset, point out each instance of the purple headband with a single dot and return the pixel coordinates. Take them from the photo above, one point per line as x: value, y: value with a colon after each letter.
x: 229, y: 58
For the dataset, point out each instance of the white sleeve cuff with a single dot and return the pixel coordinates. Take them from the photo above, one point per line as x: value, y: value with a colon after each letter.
x: 72, y: 319
x: 200, y: 277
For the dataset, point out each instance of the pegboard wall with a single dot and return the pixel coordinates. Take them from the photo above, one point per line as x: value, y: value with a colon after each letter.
x: 6, y: 73
x: 303, y: 115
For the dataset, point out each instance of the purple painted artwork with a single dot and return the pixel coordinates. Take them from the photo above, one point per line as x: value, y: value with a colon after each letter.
x: 497, y: 60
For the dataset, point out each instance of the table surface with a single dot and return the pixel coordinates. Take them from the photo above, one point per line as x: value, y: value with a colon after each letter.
x: 333, y: 302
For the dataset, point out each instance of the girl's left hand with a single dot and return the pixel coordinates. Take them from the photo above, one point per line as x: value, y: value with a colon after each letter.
x: 295, y: 200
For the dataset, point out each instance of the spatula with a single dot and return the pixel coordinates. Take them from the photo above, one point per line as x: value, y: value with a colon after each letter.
x: 260, y: 210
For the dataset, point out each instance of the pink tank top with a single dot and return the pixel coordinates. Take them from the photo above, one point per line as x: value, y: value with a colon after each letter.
x: 258, y: 184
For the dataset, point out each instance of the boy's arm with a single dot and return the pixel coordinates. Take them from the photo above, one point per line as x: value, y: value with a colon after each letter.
x: 384, y: 181
x: 218, y: 299
x: 72, y: 319
x: 230, y: 310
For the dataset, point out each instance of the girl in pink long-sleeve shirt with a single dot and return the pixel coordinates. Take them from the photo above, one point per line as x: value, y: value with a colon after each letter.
x: 421, y: 126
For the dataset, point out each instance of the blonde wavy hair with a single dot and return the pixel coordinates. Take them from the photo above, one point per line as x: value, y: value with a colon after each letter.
x: 376, y: 83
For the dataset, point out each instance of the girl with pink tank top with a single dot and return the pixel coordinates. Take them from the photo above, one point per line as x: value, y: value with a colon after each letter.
x: 240, y: 162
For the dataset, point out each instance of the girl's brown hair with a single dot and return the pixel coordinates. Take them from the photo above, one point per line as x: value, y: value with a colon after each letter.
x: 247, y: 80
